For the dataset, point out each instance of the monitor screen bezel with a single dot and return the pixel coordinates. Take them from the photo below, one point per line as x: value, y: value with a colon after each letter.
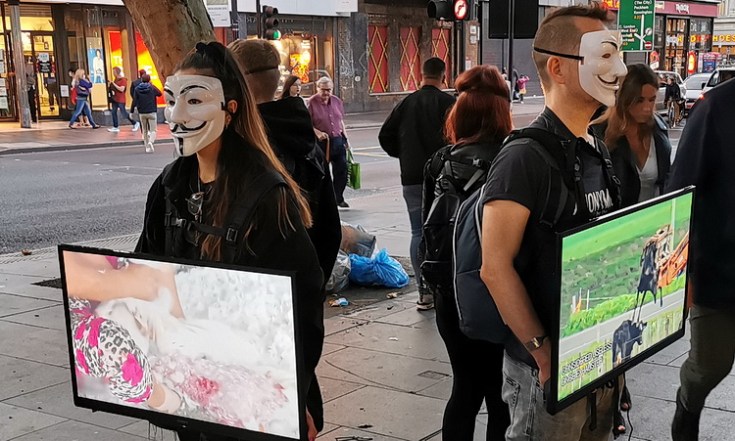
x: 175, y: 422
x: 553, y: 404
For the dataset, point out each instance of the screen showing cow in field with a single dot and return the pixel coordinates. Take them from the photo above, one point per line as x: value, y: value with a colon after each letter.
x: 623, y: 283
x: 183, y: 344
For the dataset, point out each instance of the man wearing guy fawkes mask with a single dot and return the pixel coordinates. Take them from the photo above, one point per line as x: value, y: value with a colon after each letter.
x: 580, y: 68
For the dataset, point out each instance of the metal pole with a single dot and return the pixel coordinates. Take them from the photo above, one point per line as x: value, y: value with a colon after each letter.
x: 235, y: 21
x: 19, y: 65
x: 511, y: 33
x: 258, y: 19
x: 461, y: 46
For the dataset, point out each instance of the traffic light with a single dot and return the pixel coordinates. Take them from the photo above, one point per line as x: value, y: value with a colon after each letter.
x: 449, y: 10
x: 440, y: 10
x: 270, y: 23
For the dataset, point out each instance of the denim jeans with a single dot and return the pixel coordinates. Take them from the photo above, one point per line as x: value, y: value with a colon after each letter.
x: 531, y: 422
x: 119, y: 106
x: 82, y: 108
x: 711, y: 356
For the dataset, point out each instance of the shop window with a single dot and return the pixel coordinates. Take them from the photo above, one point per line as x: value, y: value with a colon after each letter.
x: 307, y: 56
x: 378, y: 59
x: 145, y: 62
x: 440, y: 48
x: 410, y: 61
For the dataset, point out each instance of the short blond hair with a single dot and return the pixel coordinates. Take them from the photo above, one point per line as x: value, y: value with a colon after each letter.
x: 259, y: 61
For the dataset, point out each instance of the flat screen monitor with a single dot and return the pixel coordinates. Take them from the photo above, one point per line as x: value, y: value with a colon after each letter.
x: 622, y: 296
x: 189, y: 345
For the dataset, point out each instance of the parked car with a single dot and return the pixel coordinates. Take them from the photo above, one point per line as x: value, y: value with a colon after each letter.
x: 695, y: 86
x: 720, y: 75
x: 663, y: 77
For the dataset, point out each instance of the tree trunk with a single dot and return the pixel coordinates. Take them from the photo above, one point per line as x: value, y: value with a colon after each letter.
x: 170, y: 29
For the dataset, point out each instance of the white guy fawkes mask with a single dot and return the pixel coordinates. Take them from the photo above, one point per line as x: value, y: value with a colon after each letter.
x: 195, y: 111
x: 601, y: 67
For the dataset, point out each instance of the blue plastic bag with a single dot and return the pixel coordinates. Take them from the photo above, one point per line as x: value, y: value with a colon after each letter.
x: 380, y: 270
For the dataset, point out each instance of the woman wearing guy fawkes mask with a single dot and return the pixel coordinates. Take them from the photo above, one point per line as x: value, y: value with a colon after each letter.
x: 198, y: 207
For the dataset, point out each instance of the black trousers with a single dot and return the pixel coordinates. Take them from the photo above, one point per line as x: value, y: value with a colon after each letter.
x: 338, y: 159
x: 477, y: 369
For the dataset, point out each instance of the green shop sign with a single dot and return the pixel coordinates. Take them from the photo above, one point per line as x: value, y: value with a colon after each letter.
x: 635, y: 21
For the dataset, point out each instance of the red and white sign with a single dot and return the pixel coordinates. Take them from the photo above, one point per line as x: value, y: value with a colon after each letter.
x: 460, y: 9
x: 686, y: 8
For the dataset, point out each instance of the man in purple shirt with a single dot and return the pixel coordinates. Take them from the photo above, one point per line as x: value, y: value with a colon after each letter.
x: 327, y: 114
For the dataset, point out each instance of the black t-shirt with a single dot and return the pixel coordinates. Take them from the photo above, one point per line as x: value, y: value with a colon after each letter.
x: 521, y: 174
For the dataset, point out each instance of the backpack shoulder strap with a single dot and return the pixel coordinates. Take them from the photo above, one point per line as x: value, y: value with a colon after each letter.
x: 243, y: 209
x: 612, y: 181
x: 553, y: 150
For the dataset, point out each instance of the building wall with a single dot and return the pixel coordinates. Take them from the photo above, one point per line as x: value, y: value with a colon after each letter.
x: 354, y: 51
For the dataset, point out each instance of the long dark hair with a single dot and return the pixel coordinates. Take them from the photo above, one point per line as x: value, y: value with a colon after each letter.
x: 245, y: 148
x: 287, y: 86
x: 482, y: 110
x: 618, y: 118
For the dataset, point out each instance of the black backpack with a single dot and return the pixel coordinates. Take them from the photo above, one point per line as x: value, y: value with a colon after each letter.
x: 438, y: 227
x: 478, y: 316
x: 239, y: 215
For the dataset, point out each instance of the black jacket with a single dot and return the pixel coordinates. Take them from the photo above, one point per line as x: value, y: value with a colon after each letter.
x: 414, y: 131
x: 706, y: 158
x: 144, y: 98
x: 266, y: 246
x: 291, y: 133
x: 625, y: 166
x: 673, y: 92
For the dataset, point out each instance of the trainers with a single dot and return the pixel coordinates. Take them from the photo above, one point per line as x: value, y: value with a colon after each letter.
x: 113, y: 129
x: 136, y: 127
x: 343, y: 204
x: 425, y: 303
x: 149, y: 148
x: 685, y: 426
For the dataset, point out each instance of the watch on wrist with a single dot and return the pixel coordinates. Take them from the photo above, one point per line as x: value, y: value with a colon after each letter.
x: 535, y: 343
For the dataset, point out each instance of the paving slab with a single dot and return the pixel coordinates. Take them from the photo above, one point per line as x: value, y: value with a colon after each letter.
x: 16, y: 421
x: 147, y: 430
x: 57, y: 401
x: 38, y: 344
x: 15, y: 304
x: 342, y: 432
x: 50, y: 317
x: 388, y: 370
x: 333, y: 389
x: 651, y: 418
x: 390, y: 413
x: 24, y: 376
x: 43, y: 268
x: 419, y: 343
x: 337, y: 324
x: 441, y: 390
x: 409, y: 316
x: 380, y: 310
x: 77, y: 431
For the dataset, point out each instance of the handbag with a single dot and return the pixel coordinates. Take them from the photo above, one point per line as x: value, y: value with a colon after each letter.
x: 353, y: 171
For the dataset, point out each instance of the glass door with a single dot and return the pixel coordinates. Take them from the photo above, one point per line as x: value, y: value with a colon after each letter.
x: 7, y: 94
x: 42, y: 72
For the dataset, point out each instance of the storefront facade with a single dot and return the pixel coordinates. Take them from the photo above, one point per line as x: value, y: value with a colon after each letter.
x: 723, y: 40
x: 683, y: 36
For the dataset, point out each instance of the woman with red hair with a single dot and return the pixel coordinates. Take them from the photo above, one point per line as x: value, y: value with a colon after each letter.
x: 476, y: 127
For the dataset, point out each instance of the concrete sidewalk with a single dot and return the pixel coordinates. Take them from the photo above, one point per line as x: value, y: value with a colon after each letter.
x: 384, y: 372
x: 51, y: 135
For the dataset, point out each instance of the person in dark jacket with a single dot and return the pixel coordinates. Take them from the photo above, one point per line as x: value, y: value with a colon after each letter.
x: 144, y: 99
x: 637, y: 138
x: 226, y: 161
x: 291, y: 133
x: 705, y: 158
x: 673, y: 97
x: 412, y: 133
x: 475, y: 127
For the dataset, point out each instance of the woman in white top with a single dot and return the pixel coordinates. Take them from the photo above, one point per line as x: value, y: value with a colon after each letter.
x: 637, y: 137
